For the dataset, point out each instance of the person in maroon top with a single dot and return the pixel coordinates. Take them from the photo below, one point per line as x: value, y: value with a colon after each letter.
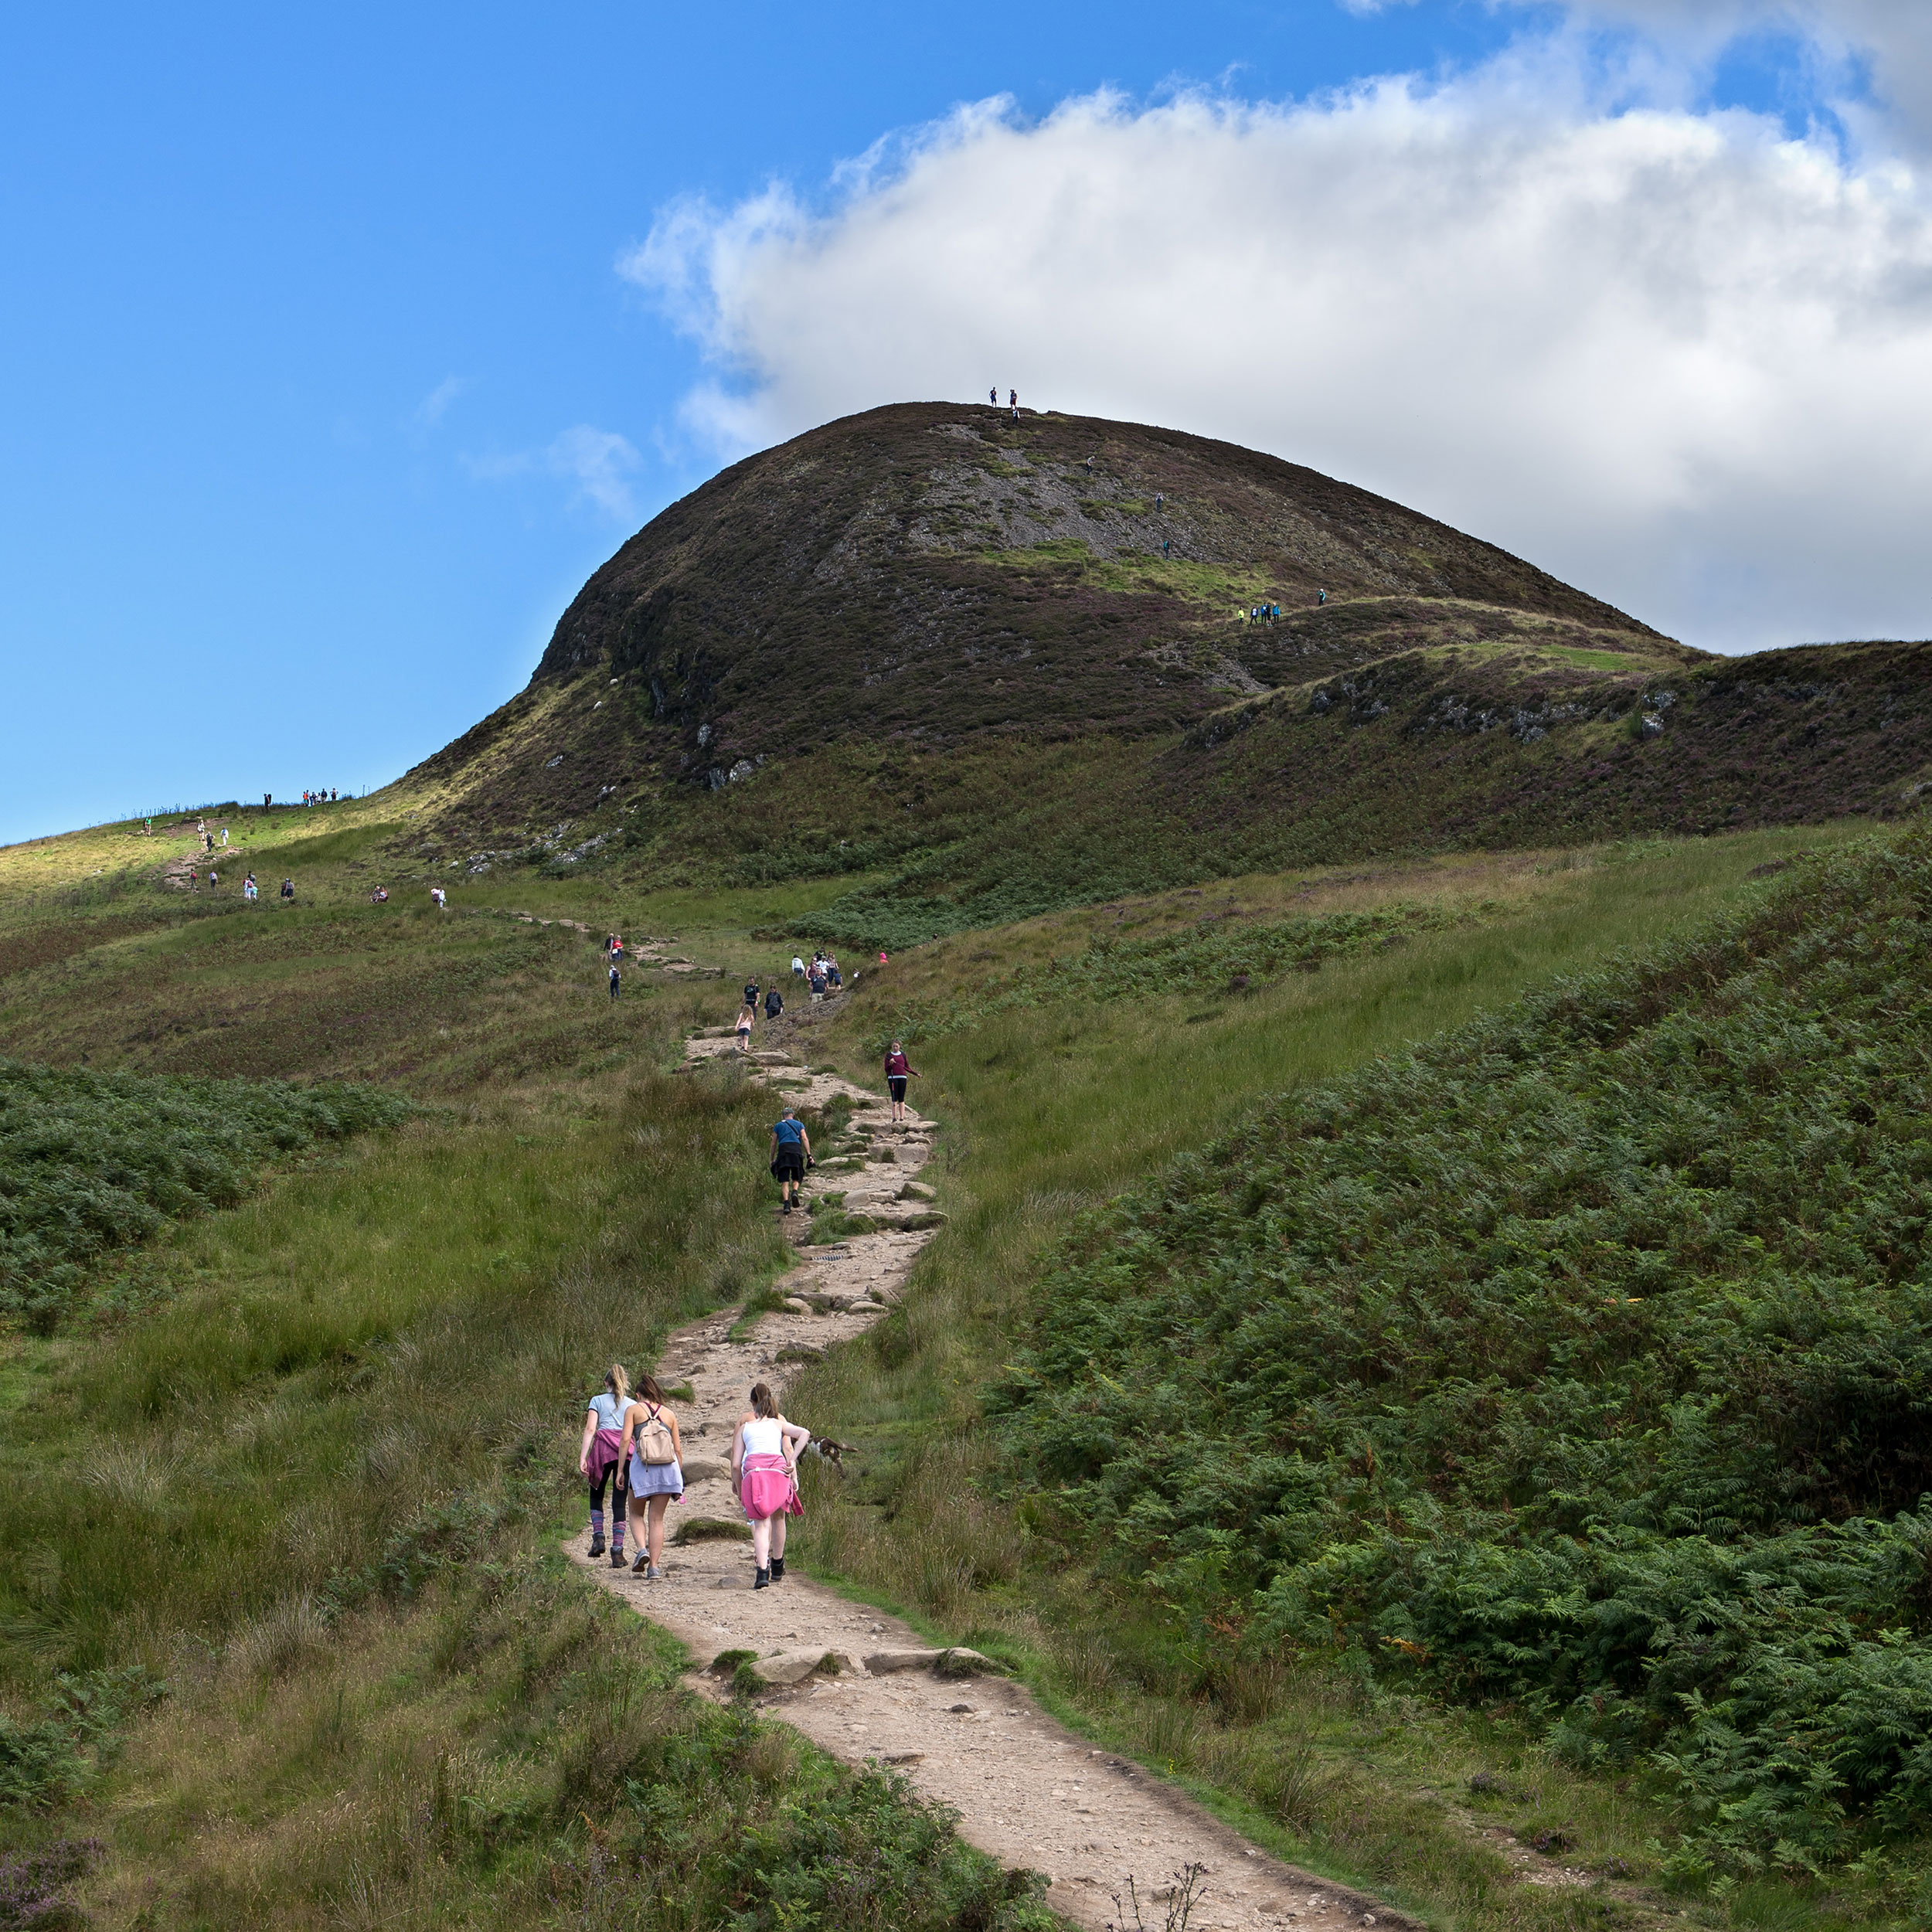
x: 899, y: 1069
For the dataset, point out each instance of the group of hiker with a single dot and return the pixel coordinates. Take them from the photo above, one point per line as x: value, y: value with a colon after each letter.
x: 822, y: 976
x: 633, y: 1447
x: 1271, y: 613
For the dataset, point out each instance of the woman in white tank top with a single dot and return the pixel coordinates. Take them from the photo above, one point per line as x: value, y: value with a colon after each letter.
x: 764, y: 1472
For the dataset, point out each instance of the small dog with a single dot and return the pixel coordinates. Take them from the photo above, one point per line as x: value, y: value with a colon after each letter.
x: 833, y: 1453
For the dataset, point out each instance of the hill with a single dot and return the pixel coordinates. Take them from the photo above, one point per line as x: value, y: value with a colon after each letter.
x: 938, y: 572
x: 989, y: 667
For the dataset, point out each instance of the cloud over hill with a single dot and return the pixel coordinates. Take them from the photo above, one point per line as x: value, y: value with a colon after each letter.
x: 1675, y: 353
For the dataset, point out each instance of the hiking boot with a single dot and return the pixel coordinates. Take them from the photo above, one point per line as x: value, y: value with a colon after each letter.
x: 596, y: 1547
x: 637, y: 1569
x: 617, y: 1556
x: 762, y: 1580
x: 778, y: 1569
x: 786, y: 1209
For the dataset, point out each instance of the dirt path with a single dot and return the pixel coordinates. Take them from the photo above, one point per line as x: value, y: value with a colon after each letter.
x: 1027, y: 1789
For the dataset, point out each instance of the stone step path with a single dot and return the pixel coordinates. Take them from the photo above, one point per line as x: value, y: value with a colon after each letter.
x: 865, y: 1686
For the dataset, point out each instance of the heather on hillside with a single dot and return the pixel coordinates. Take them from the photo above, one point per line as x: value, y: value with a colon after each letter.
x: 93, y: 1162
x: 1581, y: 1360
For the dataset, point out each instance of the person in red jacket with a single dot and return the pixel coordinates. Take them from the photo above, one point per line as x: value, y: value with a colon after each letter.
x: 899, y: 1070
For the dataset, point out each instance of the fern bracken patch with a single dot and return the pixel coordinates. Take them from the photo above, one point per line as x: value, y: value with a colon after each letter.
x: 90, y: 1163
x: 1581, y: 1359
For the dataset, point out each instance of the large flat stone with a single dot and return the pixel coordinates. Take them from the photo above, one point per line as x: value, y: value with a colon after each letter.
x: 957, y: 1662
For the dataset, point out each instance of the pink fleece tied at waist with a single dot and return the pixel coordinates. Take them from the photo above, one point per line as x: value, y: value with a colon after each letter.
x: 766, y: 1488
x: 604, y: 1448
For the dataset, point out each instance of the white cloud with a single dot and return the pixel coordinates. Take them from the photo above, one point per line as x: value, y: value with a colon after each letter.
x: 600, y: 463
x: 1671, y: 355
x: 431, y: 410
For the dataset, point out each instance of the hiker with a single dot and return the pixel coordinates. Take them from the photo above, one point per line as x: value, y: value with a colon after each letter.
x: 617, y: 945
x: 747, y: 1019
x: 379, y: 897
x: 615, y: 983
x: 194, y: 879
x: 288, y: 888
x: 751, y: 992
x: 250, y: 891
x: 214, y: 879
x: 1160, y: 502
x: 816, y: 981
x: 832, y: 975
x: 798, y: 967
x: 899, y: 1070
x: 1321, y: 596
x: 882, y: 955
x: 331, y: 794
x: 600, y: 1458
x: 654, y: 1454
x: 224, y: 834
x: 440, y: 898
x: 774, y: 1003
x: 764, y: 1475
x: 791, y: 1155
x: 992, y: 396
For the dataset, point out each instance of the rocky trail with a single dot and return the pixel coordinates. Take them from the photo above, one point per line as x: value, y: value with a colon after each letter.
x: 865, y: 1686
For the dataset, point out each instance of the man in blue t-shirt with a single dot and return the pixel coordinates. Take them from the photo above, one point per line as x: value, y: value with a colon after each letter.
x: 791, y: 1155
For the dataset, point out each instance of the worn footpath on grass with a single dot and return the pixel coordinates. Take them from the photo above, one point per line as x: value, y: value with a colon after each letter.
x: 866, y: 1687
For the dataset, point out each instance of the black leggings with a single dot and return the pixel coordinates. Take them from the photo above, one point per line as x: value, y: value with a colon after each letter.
x: 620, y: 1491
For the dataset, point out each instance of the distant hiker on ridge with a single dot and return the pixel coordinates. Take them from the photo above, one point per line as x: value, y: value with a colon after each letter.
x: 615, y: 983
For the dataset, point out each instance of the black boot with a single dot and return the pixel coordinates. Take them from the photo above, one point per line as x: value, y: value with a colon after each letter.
x: 762, y: 1580
x: 778, y: 1569
x: 596, y: 1542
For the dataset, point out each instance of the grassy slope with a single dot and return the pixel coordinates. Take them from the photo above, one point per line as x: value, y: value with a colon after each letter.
x: 311, y: 1487
x: 1049, y: 1111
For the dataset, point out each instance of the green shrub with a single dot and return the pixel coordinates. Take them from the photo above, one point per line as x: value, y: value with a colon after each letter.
x: 1581, y: 1359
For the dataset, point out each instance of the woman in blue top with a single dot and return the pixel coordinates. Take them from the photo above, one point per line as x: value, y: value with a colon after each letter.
x: 600, y: 1460
x: 791, y: 1154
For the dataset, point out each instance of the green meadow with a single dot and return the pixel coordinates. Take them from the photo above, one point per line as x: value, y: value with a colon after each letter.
x: 283, y: 1630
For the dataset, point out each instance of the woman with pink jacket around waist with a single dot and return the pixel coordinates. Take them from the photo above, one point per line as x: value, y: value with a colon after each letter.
x: 764, y: 1473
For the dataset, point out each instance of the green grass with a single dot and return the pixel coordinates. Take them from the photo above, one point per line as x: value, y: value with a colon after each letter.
x: 305, y: 1502
x: 343, y: 1431
x: 93, y: 1163
x: 1047, y: 1114
x: 1571, y: 1362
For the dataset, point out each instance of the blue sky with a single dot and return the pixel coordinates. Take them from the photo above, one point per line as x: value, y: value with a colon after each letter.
x: 330, y: 364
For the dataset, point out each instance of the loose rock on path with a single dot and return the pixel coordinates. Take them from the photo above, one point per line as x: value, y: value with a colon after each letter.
x: 865, y: 1686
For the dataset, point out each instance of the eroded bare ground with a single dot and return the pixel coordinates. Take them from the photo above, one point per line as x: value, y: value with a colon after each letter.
x: 865, y: 1686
